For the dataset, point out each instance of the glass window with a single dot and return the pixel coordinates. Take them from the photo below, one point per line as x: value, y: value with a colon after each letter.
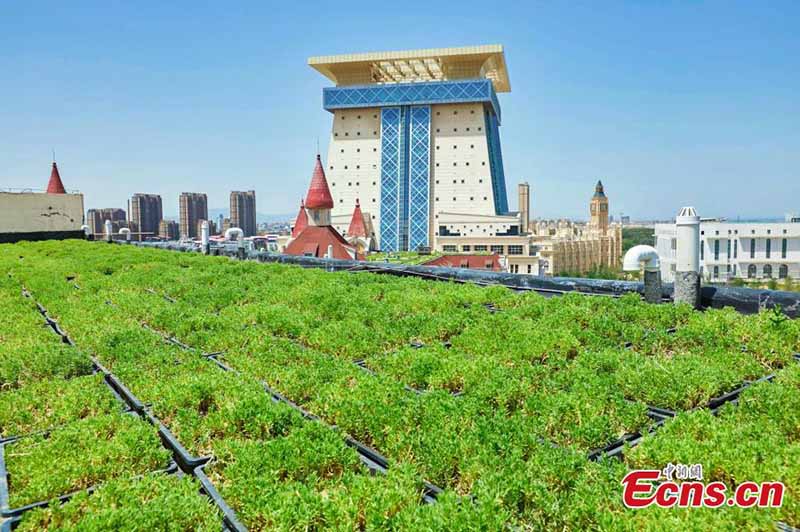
x: 767, y: 270
x: 496, y: 249
x: 769, y: 246
x: 783, y: 271
x: 728, y: 250
x: 751, y: 271
x: 784, y: 244
x: 735, y: 248
x: 449, y: 249
x: 515, y: 250
x: 466, y: 247
x: 752, y: 248
x: 480, y: 247
x: 716, y: 272
x: 716, y: 249
x: 702, y: 250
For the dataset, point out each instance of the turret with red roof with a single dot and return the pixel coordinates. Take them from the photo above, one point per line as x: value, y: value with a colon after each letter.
x: 357, y: 225
x: 55, y: 186
x: 319, y: 201
x: 313, y: 235
x: 301, y: 222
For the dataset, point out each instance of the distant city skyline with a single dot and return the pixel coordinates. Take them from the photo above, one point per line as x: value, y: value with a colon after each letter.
x: 668, y: 104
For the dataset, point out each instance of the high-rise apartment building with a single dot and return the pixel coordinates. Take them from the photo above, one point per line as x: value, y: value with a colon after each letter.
x: 212, y: 227
x: 243, y: 211
x: 168, y: 229
x: 96, y: 219
x: 415, y: 138
x: 193, y: 207
x: 146, y: 215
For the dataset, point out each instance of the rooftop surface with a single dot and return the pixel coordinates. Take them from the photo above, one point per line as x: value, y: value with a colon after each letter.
x: 353, y: 396
x: 429, y: 64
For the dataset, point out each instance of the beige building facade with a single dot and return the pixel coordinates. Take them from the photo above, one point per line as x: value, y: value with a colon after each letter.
x: 34, y: 212
x: 547, y: 247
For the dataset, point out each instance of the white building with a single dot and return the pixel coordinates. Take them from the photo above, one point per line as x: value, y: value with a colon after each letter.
x: 734, y: 249
x: 415, y: 138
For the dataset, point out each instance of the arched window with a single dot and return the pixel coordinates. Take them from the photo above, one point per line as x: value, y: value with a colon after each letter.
x: 751, y: 271
x: 716, y: 271
x: 767, y: 271
x: 783, y: 271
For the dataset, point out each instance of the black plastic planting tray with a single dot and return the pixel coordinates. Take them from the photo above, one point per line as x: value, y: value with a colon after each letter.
x: 5, y: 496
x: 182, y: 460
x: 371, y: 458
x: 616, y: 448
x: 361, y: 364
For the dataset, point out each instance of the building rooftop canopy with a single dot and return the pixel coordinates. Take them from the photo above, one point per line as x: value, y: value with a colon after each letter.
x: 431, y: 64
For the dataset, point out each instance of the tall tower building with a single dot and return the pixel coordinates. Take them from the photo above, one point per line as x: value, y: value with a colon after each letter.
x: 524, y: 198
x: 416, y: 137
x: 243, y: 211
x: 96, y: 219
x: 146, y: 214
x: 193, y: 207
x: 598, y: 209
x: 168, y: 229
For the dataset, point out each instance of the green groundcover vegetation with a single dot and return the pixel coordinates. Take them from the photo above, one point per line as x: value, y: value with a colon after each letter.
x: 496, y: 397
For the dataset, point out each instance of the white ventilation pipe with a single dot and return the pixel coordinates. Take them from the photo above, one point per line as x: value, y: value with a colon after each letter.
x: 108, y: 230
x: 329, y: 254
x: 234, y: 231
x: 240, y: 239
x: 204, y: 237
x: 687, y: 257
x: 645, y: 257
x: 639, y: 256
x: 86, y: 230
x: 127, y: 232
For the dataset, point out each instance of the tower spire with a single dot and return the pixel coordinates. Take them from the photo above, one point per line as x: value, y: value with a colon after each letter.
x: 357, y: 225
x: 301, y: 222
x: 319, y: 195
x: 55, y: 186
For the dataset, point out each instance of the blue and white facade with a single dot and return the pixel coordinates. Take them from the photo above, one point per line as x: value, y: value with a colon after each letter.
x: 415, y: 154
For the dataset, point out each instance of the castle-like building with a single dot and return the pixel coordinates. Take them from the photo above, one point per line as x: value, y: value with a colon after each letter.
x: 542, y: 247
x: 312, y: 233
x: 570, y: 247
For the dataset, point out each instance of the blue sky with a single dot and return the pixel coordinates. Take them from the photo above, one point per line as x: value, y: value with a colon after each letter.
x: 670, y: 103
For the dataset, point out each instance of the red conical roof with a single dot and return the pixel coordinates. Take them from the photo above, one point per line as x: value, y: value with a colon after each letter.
x: 301, y: 222
x: 357, y: 225
x: 55, y: 186
x: 319, y: 195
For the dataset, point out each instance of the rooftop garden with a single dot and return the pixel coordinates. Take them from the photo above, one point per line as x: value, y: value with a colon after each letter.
x: 403, y: 257
x: 312, y: 400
